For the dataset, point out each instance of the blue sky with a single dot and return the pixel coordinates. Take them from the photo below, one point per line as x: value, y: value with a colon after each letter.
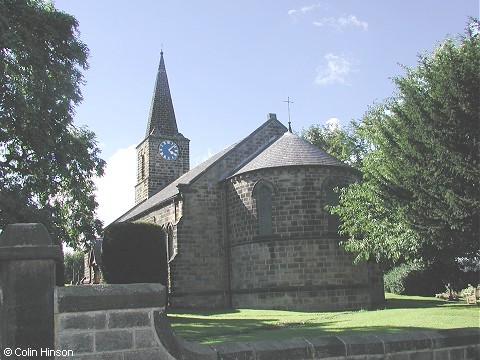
x: 230, y: 63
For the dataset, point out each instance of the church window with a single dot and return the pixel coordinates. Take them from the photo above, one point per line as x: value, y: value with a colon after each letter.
x: 333, y: 220
x: 264, y: 209
x: 142, y: 166
x: 170, y: 247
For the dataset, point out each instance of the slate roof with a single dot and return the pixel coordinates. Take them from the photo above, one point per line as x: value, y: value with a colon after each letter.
x: 288, y: 150
x: 161, y: 119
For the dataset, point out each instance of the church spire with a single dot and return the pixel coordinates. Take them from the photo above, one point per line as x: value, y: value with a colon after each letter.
x: 161, y: 120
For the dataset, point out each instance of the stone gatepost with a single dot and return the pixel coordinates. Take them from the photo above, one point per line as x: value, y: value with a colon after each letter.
x: 27, y: 282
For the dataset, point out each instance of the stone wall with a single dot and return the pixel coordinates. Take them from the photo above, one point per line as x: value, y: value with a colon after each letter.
x: 199, y: 271
x: 109, y: 321
x: 153, y: 172
x: 455, y: 344
x: 301, y: 265
x: 298, y: 273
x: 298, y: 201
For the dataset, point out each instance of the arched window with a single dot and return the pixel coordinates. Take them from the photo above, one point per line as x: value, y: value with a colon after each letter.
x: 263, y: 194
x: 333, y: 220
x: 170, y: 246
x: 142, y: 166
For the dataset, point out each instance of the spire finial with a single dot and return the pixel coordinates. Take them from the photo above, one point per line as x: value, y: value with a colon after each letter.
x: 161, y: 50
x: 288, y: 101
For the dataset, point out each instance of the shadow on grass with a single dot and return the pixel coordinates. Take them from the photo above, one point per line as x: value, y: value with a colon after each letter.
x: 210, y: 327
x: 413, y: 304
x: 416, y: 302
x: 212, y: 331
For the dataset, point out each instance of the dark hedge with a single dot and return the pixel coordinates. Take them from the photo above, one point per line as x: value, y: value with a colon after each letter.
x: 134, y: 253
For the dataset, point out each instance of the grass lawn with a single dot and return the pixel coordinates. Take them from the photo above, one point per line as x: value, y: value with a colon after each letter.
x: 399, y: 313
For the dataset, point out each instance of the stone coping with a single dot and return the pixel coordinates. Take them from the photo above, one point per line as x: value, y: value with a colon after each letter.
x: 28, y: 242
x: 83, y: 298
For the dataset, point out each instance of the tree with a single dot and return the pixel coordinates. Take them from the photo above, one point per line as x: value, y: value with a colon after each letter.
x: 73, y: 264
x: 420, y: 197
x: 47, y: 164
x: 341, y: 142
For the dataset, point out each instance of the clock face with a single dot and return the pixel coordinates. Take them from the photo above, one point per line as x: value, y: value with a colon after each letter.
x: 168, y: 149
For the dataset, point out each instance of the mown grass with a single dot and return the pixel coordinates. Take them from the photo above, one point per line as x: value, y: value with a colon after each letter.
x: 399, y: 313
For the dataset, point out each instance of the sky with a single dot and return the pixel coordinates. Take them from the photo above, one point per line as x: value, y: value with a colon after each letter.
x: 230, y: 63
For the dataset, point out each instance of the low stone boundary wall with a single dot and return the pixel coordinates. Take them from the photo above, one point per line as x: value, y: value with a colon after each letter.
x: 453, y: 344
x: 449, y: 344
x: 114, y: 322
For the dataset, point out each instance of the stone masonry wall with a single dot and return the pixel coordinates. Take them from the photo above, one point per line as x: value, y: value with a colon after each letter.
x: 452, y: 344
x: 299, y: 266
x: 157, y: 172
x: 199, y: 271
x: 298, y: 201
x: 112, y: 321
x: 166, y: 216
x: 301, y: 274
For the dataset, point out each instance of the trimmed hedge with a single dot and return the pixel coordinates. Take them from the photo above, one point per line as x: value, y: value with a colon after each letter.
x: 134, y: 253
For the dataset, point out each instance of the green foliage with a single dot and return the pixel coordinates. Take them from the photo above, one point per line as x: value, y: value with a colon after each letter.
x: 73, y: 263
x: 470, y: 291
x: 134, y: 253
x: 47, y: 164
x: 341, y: 142
x: 413, y: 279
x: 420, y: 197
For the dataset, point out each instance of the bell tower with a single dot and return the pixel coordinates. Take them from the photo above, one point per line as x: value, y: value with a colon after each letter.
x: 164, y: 155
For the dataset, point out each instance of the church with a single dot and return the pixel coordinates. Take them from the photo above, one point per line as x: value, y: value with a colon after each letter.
x: 248, y: 227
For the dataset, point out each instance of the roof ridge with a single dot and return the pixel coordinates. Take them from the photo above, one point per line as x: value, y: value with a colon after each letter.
x: 270, y: 142
x: 239, y: 143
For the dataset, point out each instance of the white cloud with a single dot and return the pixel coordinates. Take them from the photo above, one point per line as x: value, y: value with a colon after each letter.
x: 333, y: 124
x: 306, y: 9
x: 342, y: 22
x: 198, y: 159
x: 336, y: 70
x: 115, y: 190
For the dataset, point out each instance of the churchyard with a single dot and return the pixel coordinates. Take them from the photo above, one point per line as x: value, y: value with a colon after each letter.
x: 313, y: 224
x: 400, y: 313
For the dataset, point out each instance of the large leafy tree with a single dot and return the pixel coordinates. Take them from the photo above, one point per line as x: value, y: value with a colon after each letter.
x: 342, y: 142
x: 420, y: 197
x: 47, y: 164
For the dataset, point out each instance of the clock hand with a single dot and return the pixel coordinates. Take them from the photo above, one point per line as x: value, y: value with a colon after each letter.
x: 170, y: 150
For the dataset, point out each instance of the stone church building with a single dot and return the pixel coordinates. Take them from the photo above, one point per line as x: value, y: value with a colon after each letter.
x: 248, y: 227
